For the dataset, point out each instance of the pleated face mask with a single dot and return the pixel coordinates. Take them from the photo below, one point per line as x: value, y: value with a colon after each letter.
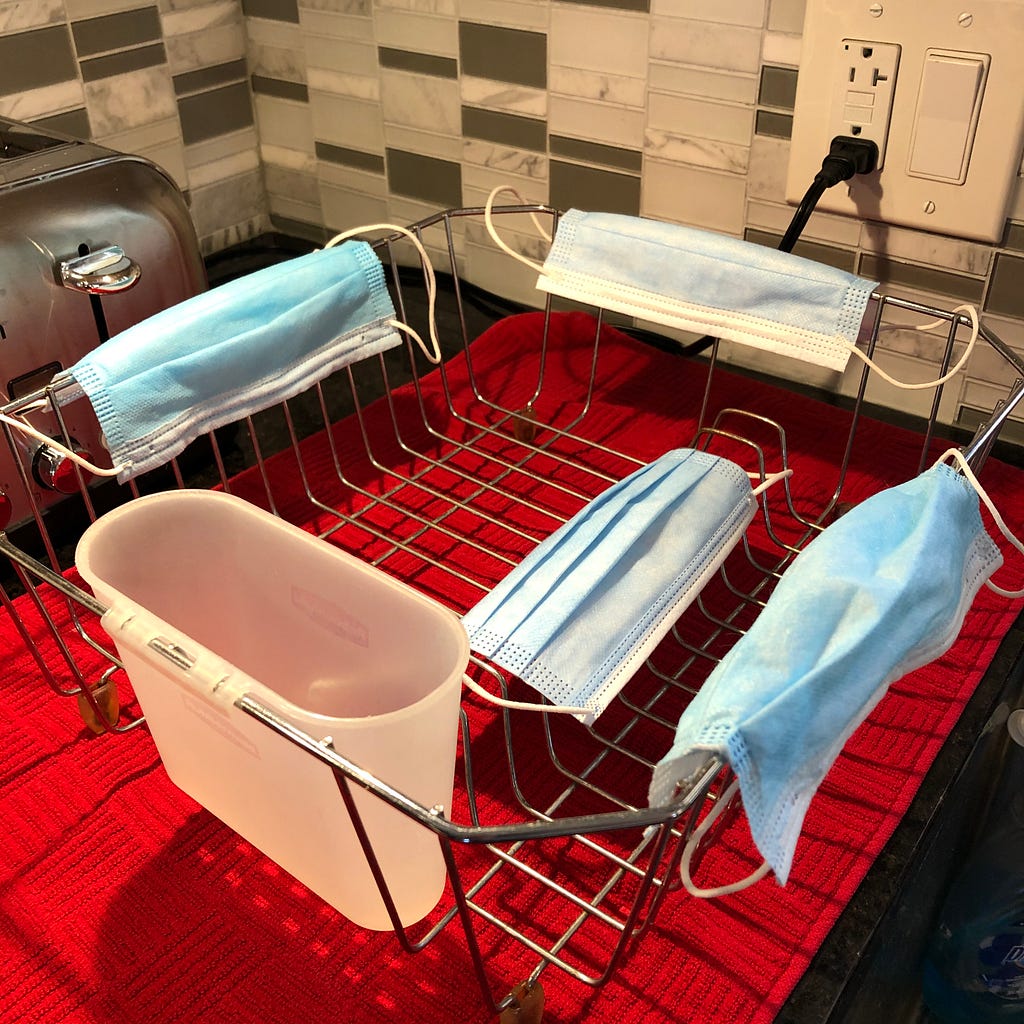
x: 578, y: 616
x: 880, y: 592
x: 232, y: 351
x: 702, y: 281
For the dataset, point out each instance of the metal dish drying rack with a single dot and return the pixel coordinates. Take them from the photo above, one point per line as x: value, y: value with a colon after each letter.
x: 588, y: 841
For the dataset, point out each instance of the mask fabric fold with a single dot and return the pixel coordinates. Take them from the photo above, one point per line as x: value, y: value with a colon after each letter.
x: 701, y: 281
x: 579, y: 615
x: 880, y: 592
x: 232, y: 351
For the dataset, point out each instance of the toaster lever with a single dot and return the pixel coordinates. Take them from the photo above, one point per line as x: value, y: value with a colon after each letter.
x: 101, y: 272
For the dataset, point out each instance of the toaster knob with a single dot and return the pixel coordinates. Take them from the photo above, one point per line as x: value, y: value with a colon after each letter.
x: 55, y: 471
x: 6, y: 509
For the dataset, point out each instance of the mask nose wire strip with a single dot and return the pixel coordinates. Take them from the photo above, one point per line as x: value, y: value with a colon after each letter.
x: 958, y: 456
x: 62, y: 449
x: 433, y: 351
x: 691, y: 845
x: 971, y: 312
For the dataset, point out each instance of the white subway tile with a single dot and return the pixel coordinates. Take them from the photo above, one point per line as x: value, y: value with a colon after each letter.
x: 446, y: 147
x: 692, y: 195
x: 924, y: 247
x: 226, y: 166
x: 19, y: 16
x: 786, y: 16
x: 295, y: 159
x: 597, y: 122
x: 704, y: 119
x: 530, y: 15
x: 705, y: 44
x: 593, y: 85
x: 708, y: 82
x: 334, y: 25
x: 822, y: 227
x: 728, y: 12
x: 445, y: 7
x: 203, y: 49
x: 345, y: 122
x: 616, y: 43
x: 340, y: 83
x: 353, y: 57
x: 420, y: 33
x: 781, y: 49
x: 766, y: 177
x: 513, y: 99
x: 420, y: 101
x: 264, y: 32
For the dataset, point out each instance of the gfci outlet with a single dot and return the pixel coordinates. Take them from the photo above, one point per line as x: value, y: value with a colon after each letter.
x: 937, y: 86
x: 863, y: 91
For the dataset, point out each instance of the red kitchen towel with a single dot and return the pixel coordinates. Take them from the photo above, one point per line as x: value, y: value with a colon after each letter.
x: 122, y: 900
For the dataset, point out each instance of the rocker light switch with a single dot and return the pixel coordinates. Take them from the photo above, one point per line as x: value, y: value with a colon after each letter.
x: 948, y: 105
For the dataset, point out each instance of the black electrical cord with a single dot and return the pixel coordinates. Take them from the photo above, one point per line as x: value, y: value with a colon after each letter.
x: 846, y: 157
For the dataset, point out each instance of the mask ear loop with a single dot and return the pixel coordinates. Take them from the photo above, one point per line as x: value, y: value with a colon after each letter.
x: 972, y: 314
x: 493, y: 232
x: 433, y: 351
x: 958, y: 456
x: 588, y: 715
x: 62, y: 449
x: 697, y: 835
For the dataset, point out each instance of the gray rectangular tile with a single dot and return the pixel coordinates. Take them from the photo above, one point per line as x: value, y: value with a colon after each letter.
x: 31, y: 60
x: 350, y: 157
x: 911, y: 275
x: 116, y: 31
x: 299, y: 229
x: 505, y: 129
x: 71, y: 122
x: 424, y: 177
x: 217, y: 112
x: 121, y: 63
x: 1014, y: 237
x: 209, y: 78
x: 770, y: 122
x: 274, y: 10
x: 832, y: 256
x: 778, y: 87
x: 418, y: 63
x: 1006, y: 288
x: 504, y: 54
x: 597, y: 153
x: 643, y: 6
x: 590, y: 188
x: 280, y: 88
x: 970, y: 418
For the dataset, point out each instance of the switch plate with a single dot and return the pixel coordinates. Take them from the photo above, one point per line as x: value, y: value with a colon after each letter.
x: 956, y: 130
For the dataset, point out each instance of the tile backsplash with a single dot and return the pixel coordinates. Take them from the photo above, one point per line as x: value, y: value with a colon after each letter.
x: 310, y: 116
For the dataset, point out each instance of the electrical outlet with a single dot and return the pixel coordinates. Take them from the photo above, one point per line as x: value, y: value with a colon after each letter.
x: 863, y: 91
x: 947, y: 105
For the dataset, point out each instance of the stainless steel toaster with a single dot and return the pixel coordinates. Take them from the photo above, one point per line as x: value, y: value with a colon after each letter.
x: 91, y: 241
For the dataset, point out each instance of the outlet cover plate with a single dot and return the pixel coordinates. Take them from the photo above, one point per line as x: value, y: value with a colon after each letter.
x: 975, y: 208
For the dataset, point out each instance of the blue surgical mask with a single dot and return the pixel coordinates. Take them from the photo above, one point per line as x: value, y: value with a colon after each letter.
x: 232, y: 351
x: 880, y: 592
x: 701, y: 281
x: 578, y: 616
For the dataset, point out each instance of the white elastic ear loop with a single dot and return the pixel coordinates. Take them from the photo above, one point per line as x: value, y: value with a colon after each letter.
x: 697, y: 835
x: 492, y: 231
x: 971, y: 312
x: 516, y: 705
x: 769, y: 480
x: 433, y: 353
x: 958, y: 457
x: 89, y: 467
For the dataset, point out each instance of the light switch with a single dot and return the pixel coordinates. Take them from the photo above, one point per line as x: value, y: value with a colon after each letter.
x: 948, y: 106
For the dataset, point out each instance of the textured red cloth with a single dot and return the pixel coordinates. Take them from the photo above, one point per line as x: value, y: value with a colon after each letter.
x: 123, y: 901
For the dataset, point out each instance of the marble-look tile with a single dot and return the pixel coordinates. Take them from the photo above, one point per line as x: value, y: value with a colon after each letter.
x: 345, y: 121
x: 408, y: 210
x: 412, y: 140
x: 221, y: 147
x: 127, y: 101
x: 418, y: 32
x: 205, y: 49
x: 201, y: 19
x: 683, y: 116
x: 284, y: 123
x: 293, y: 159
x: 229, y: 166
x: 294, y: 209
x: 705, y: 44
x: 228, y: 202
x: 600, y: 122
x: 178, y: 5
x: 280, y: 62
x: 616, y: 43
x: 421, y: 101
x: 688, y: 149
x: 343, y: 208
x: 25, y: 14
x: 786, y: 16
x: 824, y: 227
x: 35, y: 103
x: 983, y: 397
x: 338, y: 83
x: 779, y: 48
x: 444, y: 7
x: 489, y: 268
x: 301, y: 186
x: 514, y: 99
x: 234, y: 234
x: 358, y: 8
x: 352, y: 178
x: 507, y: 13
x: 924, y: 247
x: 692, y: 195
x: 711, y: 83
x: 593, y: 85
x: 726, y: 12
x: 146, y: 136
x: 766, y: 174
x: 352, y: 57
x: 503, y: 160
x: 333, y: 25
x: 266, y: 32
